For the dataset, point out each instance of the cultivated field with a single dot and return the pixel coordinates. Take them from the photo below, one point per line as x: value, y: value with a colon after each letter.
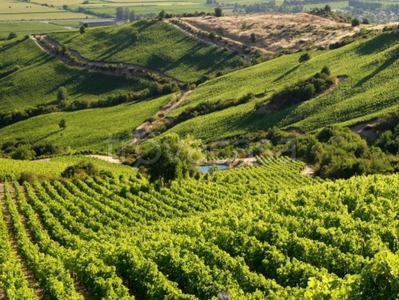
x: 368, y: 91
x: 159, y: 46
x: 39, y: 75
x: 262, y: 232
x: 19, y: 11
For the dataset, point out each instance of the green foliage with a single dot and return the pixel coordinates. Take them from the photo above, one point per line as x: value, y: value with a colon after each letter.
x: 218, y: 11
x: 86, y: 129
x: 160, y: 47
x: 355, y: 22
x: 171, y: 158
x: 62, y: 94
x: 253, y: 37
x: 80, y: 170
x: 366, y: 21
x: 62, y: 124
x: 29, y: 85
x: 162, y: 14
x: 260, y: 232
x: 303, y: 90
x: 366, y: 90
x: 82, y: 29
x: 339, y: 153
x: 304, y: 57
x: 23, y: 153
x: 135, y: 35
x: 12, y: 35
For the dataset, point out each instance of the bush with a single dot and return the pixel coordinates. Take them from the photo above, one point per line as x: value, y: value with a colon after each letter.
x: 366, y: 21
x: 12, y: 35
x: 80, y: 170
x: 218, y: 12
x: 355, y: 22
x: 27, y: 177
x: 304, y: 57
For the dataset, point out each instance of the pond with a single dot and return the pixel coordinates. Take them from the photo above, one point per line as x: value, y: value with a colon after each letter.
x: 205, y: 168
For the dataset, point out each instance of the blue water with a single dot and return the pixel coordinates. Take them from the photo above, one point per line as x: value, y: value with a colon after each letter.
x: 205, y: 168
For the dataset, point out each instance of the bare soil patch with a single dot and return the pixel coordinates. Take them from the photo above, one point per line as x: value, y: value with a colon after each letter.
x: 276, y: 32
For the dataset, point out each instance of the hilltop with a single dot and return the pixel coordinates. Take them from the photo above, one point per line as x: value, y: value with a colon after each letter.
x: 275, y: 32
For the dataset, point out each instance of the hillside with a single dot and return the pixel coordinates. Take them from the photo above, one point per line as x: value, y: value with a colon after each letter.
x: 88, y: 129
x: 158, y: 46
x: 275, y: 235
x: 368, y: 90
x: 275, y: 32
x: 35, y: 77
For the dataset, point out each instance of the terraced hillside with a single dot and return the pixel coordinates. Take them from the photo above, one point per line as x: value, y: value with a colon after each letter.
x: 156, y: 45
x: 30, y: 77
x: 263, y: 232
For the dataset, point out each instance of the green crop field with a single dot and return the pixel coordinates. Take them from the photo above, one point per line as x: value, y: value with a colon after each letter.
x: 368, y: 90
x: 263, y: 232
x: 25, y: 28
x: 40, y: 76
x: 87, y: 129
x: 159, y: 46
x: 16, y: 11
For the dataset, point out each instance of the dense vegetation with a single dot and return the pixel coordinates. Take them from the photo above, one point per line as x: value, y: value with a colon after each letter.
x: 301, y: 91
x: 263, y: 232
x: 99, y: 129
x: 367, y: 91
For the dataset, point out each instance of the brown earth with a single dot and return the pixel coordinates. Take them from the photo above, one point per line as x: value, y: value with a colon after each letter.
x: 276, y: 32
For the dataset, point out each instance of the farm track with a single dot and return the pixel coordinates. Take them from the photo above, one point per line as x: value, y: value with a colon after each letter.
x: 234, y: 45
x: 145, y: 128
x: 76, y: 60
x: 29, y: 276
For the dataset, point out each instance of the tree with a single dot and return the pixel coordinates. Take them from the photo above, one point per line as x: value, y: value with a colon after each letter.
x: 253, y: 37
x: 119, y: 13
x: 327, y: 8
x: 355, y: 22
x: 62, y: 124
x: 366, y: 21
x: 162, y: 14
x: 304, y: 57
x: 62, y: 94
x: 126, y: 14
x: 82, y: 29
x: 135, y: 35
x: 12, y: 35
x: 132, y: 16
x: 218, y: 12
x: 23, y: 153
x: 326, y: 70
x: 171, y: 158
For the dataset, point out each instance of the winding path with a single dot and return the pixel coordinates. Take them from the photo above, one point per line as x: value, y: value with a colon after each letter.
x: 186, y: 27
x: 74, y: 58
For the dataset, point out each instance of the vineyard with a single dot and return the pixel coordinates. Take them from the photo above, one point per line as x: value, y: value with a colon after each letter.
x: 261, y: 232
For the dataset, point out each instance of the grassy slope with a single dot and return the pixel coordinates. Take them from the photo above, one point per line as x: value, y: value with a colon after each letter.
x: 159, y: 46
x: 370, y: 90
x: 86, y: 129
x: 38, y: 81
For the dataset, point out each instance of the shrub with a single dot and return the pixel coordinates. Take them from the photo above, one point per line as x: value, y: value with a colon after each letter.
x: 355, y: 22
x: 80, y: 170
x: 304, y: 57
